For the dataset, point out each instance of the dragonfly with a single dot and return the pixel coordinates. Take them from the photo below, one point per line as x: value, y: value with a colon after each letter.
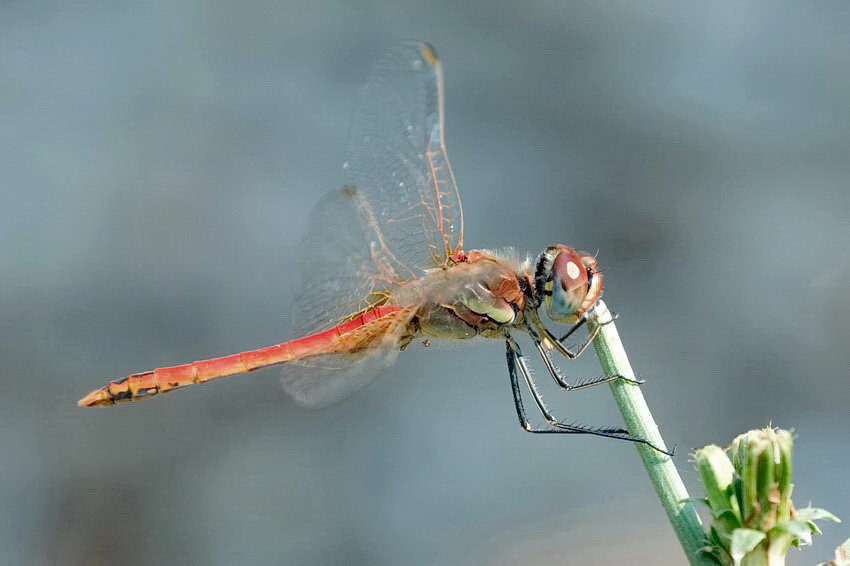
x: 383, y: 265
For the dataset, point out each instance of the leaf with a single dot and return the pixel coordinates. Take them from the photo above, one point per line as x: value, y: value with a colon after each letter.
x: 743, y: 542
x: 800, y: 529
x: 815, y: 514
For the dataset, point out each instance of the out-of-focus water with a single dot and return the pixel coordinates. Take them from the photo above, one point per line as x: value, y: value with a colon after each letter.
x: 157, y: 164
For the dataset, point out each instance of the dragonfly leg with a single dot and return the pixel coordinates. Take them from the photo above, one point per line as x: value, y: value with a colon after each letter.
x: 570, y: 332
x: 556, y: 374
x: 562, y: 348
x: 517, y: 366
x: 590, y: 337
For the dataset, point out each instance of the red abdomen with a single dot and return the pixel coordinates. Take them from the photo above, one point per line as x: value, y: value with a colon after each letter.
x: 346, y: 337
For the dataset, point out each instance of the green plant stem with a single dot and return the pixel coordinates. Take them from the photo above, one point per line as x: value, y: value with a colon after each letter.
x: 639, y: 422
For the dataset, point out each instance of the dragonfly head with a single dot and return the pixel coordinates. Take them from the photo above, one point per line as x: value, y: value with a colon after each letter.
x: 568, y: 282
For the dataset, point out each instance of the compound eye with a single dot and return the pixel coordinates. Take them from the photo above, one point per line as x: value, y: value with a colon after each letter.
x: 567, y: 288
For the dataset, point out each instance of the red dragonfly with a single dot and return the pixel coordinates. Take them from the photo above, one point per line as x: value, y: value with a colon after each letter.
x: 394, y: 236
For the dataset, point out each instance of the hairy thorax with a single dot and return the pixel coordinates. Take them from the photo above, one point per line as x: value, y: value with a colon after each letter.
x: 477, y: 297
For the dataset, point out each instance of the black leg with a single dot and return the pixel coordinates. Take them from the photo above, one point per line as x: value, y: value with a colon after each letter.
x: 560, y: 341
x: 573, y: 328
x: 559, y: 345
x: 513, y: 360
x: 555, y: 372
x: 517, y: 365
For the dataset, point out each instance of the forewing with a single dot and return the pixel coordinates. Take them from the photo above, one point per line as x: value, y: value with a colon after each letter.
x: 397, y: 162
x: 400, y: 213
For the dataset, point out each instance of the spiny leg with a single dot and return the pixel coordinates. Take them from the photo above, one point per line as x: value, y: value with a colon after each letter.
x: 556, y: 374
x: 581, y: 322
x: 590, y: 337
x: 517, y: 393
x: 517, y: 362
x: 559, y: 345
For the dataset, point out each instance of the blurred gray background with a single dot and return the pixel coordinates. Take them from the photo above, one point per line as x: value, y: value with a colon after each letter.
x: 158, y: 161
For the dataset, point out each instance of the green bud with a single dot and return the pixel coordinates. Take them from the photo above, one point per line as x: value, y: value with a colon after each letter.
x: 748, y: 488
x: 717, y: 476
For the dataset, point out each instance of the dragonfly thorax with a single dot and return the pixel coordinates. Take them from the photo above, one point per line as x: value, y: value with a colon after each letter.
x: 477, y: 297
x: 568, y: 283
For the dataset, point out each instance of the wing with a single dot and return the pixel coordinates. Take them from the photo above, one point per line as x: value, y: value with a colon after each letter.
x: 325, y: 380
x: 321, y: 380
x: 397, y: 159
x: 400, y: 212
x: 339, y: 274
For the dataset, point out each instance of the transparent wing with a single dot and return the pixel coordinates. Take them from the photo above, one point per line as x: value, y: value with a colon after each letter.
x: 397, y: 161
x: 322, y: 380
x: 325, y: 380
x: 337, y: 268
x: 400, y: 212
